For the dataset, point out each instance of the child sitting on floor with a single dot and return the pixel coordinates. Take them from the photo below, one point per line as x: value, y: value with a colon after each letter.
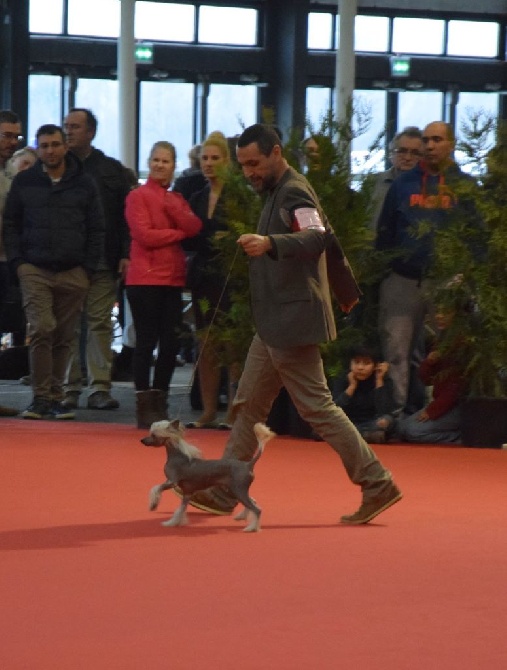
x: 366, y: 395
x: 439, y: 421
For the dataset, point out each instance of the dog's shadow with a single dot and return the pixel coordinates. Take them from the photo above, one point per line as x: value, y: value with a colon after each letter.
x: 82, y: 535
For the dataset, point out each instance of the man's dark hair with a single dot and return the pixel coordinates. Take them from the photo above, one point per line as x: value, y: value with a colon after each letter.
x: 50, y: 129
x: 8, y: 116
x: 265, y: 136
x: 91, y: 119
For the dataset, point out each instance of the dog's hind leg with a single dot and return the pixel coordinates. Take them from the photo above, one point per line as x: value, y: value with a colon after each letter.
x: 156, y: 494
x: 179, y: 518
x: 243, y: 515
x: 255, y: 524
x: 251, y: 509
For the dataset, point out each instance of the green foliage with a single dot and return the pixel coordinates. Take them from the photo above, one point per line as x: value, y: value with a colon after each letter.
x: 470, y: 273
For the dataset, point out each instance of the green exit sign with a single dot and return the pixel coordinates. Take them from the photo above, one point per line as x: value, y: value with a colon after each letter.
x: 144, y: 54
x: 400, y: 66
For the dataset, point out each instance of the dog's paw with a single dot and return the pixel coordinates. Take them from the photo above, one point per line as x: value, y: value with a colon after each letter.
x: 253, y: 527
x: 176, y: 520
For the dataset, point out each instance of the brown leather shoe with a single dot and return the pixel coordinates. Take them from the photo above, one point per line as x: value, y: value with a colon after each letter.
x: 372, y: 507
x: 8, y: 411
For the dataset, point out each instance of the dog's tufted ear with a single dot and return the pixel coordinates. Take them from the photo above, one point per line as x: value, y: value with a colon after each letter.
x: 175, y: 423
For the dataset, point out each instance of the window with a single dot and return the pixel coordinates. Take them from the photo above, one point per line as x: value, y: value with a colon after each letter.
x: 44, y: 103
x: 231, y: 108
x: 483, y: 105
x: 166, y: 113
x: 169, y: 22
x: 369, y: 120
x: 473, y: 38
x: 46, y: 16
x: 101, y: 96
x: 372, y: 33
x: 320, y: 31
x: 419, y: 108
x: 100, y: 18
x: 418, y: 36
x: 227, y: 25
x: 318, y: 104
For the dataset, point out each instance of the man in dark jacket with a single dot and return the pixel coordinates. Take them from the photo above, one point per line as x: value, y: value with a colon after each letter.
x: 53, y: 236
x: 95, y: 328
x: 421, y: 199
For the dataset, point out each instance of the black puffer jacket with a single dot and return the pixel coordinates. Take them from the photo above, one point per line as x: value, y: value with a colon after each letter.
x: 54, y: 226
x: 111, y: 179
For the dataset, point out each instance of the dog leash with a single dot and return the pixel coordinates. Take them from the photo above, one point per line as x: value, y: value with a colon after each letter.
x: 207, y: 332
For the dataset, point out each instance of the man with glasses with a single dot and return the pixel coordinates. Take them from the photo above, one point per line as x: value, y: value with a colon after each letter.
x: 53, y: 236
x: 10, y: 136
x: 405, y: 150
x: 423, y: 195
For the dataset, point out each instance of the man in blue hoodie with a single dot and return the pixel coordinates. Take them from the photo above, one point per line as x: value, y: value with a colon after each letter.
x: 424, y: 195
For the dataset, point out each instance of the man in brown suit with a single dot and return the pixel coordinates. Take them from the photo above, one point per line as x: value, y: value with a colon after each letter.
x: 292, y: 311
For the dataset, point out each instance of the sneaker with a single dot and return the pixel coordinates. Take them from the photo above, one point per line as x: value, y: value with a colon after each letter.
x: 39, y: 408
x: 71, y: 400
x: 372, y: 507
x: 102, y: 400
x: 60, y: 411
x: 205, y: 502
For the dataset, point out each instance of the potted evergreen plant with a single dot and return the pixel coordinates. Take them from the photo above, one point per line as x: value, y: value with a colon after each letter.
x: 470, y: 278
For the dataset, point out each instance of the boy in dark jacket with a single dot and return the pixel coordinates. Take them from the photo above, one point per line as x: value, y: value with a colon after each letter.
x: 366, y: 395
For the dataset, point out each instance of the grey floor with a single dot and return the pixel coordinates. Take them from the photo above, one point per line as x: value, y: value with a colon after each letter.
x: 15, y: 394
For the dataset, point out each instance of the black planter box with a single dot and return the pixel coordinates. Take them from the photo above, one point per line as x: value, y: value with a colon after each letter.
x: 484, y: 422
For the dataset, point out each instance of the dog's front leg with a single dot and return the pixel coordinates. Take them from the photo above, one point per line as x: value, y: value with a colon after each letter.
x: 156, y: 493
x: 179, y: 518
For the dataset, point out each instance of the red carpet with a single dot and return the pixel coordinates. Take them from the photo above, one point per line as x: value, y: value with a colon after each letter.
x: 90, y: 580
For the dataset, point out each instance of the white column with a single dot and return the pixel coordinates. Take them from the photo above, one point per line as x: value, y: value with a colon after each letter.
x: 127, y: 85
x: 345, y: 58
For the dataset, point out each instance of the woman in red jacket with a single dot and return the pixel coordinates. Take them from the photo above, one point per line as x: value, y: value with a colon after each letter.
x: 158, y: 220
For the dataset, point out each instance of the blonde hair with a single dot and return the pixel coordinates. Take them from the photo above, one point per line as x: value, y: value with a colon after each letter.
x: 218, y: 139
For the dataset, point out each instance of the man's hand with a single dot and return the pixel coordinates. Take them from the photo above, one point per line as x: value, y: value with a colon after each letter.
x: 254, y: 245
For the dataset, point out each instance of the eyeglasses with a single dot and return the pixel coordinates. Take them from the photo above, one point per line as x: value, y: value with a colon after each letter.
x: 12, y: 136
x: 403, y: 151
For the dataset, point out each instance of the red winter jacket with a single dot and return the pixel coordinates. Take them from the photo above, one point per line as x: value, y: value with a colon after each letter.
x: 158, y: 220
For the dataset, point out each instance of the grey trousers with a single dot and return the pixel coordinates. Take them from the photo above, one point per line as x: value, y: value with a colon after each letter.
x: 444, y: 430
x: 52, y: 303
x: 402, y: 312
x: 301, y: 371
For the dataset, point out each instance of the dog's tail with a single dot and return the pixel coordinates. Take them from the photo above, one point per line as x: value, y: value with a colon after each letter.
x: 263, y: 435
